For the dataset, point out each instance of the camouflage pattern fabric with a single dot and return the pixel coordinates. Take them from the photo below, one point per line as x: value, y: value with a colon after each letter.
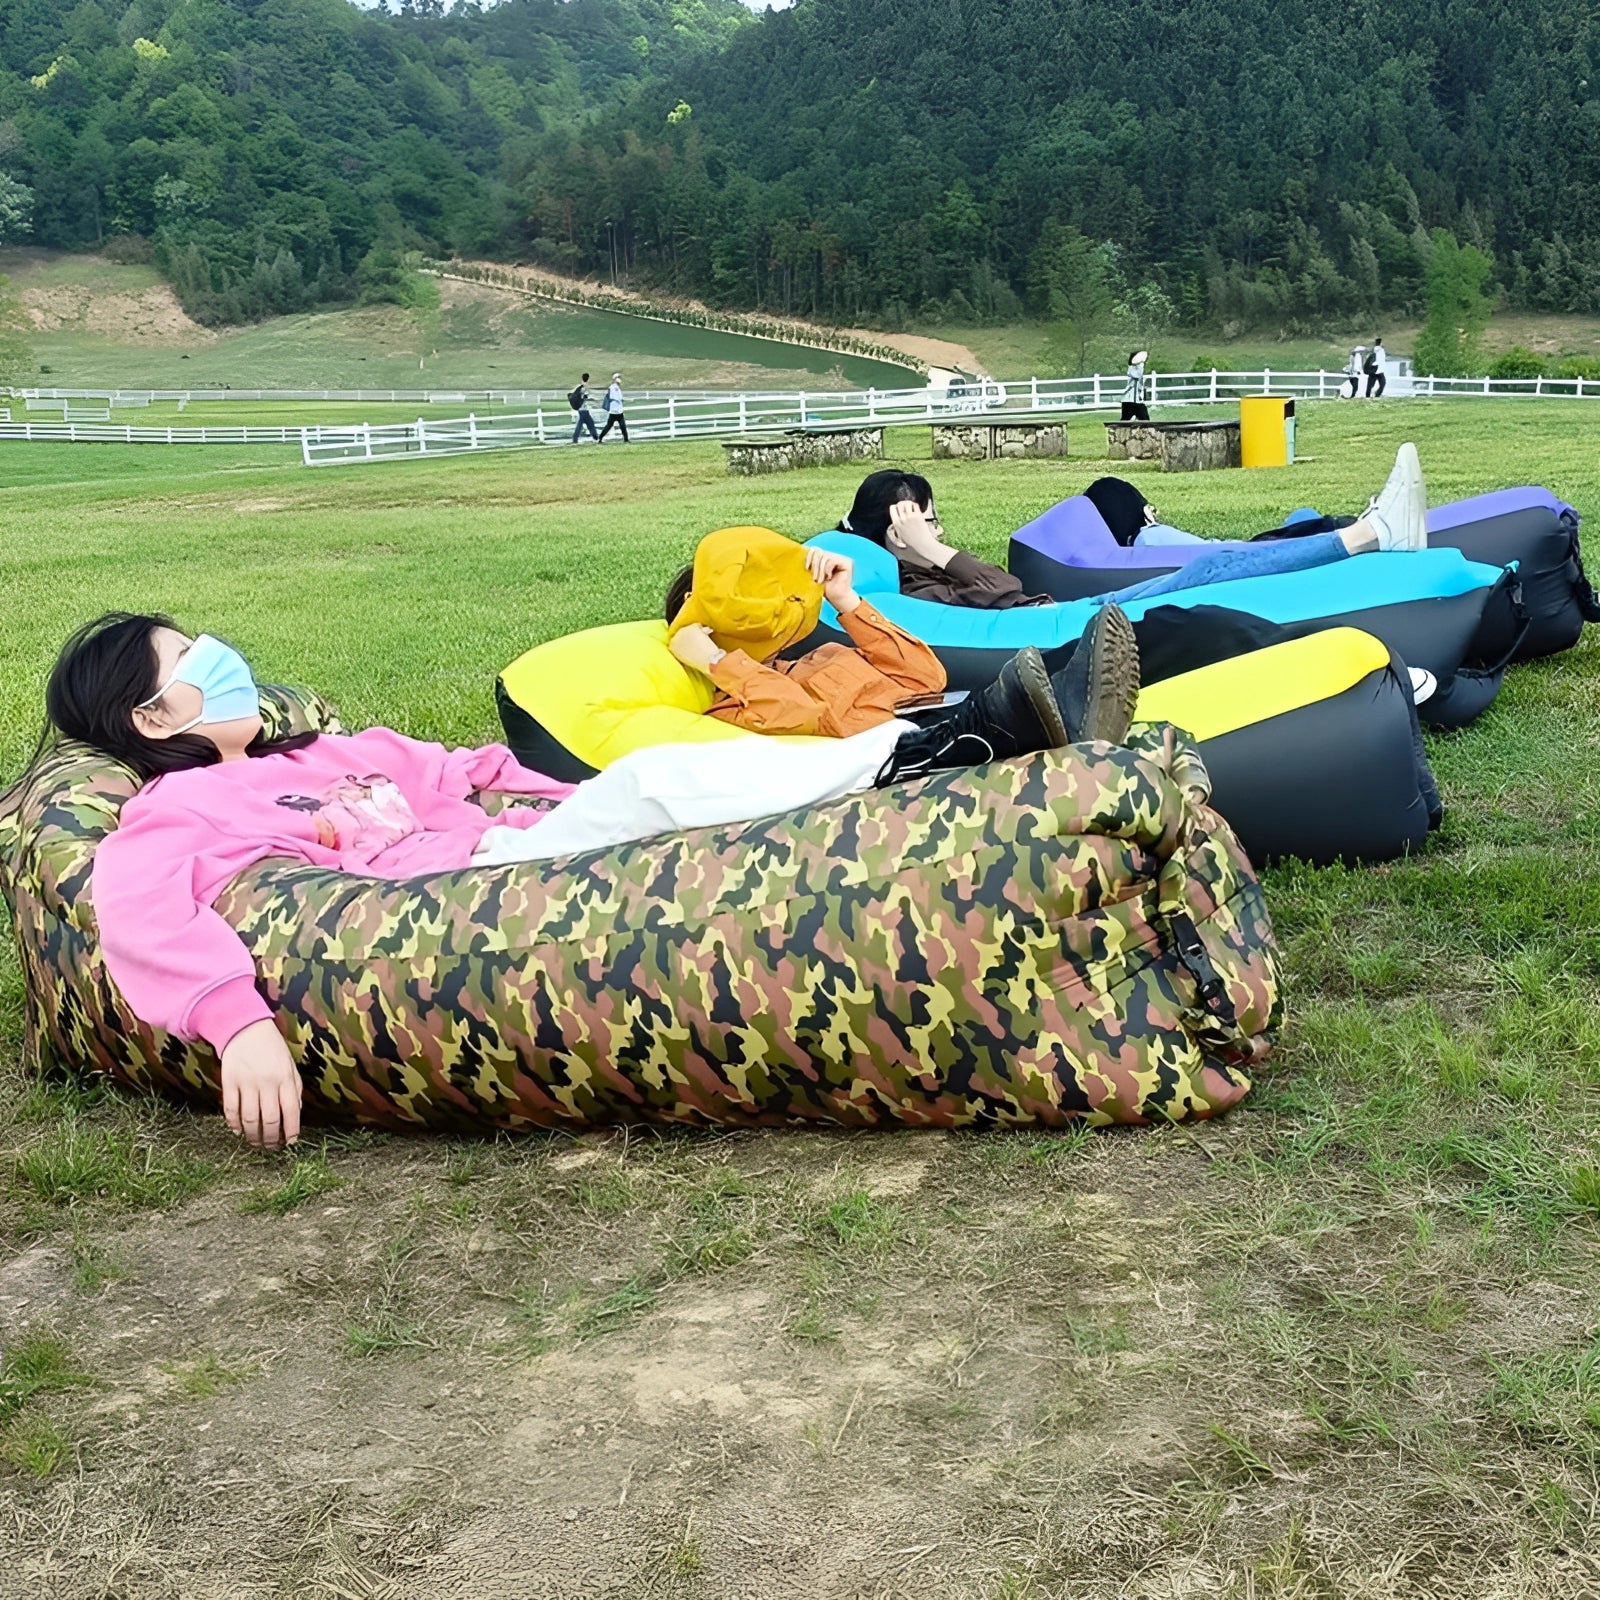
x: 1076, y: 935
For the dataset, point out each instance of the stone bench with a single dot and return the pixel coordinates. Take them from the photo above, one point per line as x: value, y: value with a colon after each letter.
x: 752, y: 454
x: 995, y: 438
x: 1178, y: 446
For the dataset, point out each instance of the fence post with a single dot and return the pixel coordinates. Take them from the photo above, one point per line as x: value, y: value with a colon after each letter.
x: 1538, y: 384
x: 802, y: 408
x: 1580, y: 387
x: 1213, y: 394
x: 539, y: 414
x: 741, y: 413
x: 472, y: 429
x: 1097, y: 391
x: 1033, y: 394
x: 1322, y: 384
x: 1266, y: 380
x: 366, y: 435
x: 1153, y: 388
x: 672, y: 416
x: 422, y: 437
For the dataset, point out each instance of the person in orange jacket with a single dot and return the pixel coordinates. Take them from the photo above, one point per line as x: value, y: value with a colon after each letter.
x: 752, y: 594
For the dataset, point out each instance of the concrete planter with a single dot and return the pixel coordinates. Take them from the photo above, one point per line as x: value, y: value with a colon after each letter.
x: 758, y: 454
x: 1178, y: 446
x: 991, y: 441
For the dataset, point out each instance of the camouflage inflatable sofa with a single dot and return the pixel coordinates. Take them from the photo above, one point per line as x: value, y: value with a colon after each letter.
x: 1075, y: 936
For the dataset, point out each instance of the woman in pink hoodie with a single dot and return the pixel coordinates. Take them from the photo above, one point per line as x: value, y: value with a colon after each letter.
x: 184, y: 714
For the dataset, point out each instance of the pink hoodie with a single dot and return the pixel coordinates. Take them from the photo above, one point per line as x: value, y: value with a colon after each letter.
x: 376, y: 804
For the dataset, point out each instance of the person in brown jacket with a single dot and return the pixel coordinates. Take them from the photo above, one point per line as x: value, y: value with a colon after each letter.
x: 752, y: 594
x: 895, y: 509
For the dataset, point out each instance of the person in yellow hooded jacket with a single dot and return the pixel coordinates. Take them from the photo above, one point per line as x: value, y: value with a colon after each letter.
x: 752, y: 594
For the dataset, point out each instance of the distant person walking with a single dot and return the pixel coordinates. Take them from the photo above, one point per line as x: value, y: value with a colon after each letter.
x: 1353, y: 369
x: 579, y: 401
x: 1133, y: 407
x: 1377, y: 378
x: 614, y: 416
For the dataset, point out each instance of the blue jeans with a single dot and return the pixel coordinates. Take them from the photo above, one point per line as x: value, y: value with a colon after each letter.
x: 585, y: 421
x: 1239, y: 561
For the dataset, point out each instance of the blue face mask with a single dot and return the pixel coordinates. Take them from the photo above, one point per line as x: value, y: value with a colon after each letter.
x: 222, y: 675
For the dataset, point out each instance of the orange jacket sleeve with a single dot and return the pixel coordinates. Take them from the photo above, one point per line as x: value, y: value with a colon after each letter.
x: 898, y: 655
x: 763, y: 699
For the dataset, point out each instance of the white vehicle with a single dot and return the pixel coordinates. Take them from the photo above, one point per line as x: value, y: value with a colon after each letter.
x: 962, y: 391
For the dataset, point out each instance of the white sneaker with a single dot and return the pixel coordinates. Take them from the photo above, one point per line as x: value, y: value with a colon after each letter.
x: 1423, y: 683
x: 1400, y: 512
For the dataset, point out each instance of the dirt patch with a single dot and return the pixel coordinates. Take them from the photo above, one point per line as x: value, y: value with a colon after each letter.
x: 935, y: 352
x: 996, y: 1378
x: 32, y: 1286
x: 150, y: 316
x: 255, y: 506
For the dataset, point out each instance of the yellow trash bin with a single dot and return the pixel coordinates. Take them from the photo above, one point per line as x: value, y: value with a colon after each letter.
x: 1266, y: 431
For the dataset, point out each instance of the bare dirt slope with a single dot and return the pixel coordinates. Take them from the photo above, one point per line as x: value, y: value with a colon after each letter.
x: 87, y: 295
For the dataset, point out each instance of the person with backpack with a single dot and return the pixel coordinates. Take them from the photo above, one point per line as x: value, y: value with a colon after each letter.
x: 614, y: 416
x: 579, y: 401
x: 1377, y: 378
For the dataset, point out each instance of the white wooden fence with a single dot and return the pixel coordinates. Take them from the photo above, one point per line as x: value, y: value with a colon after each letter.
x: 686, y: 417
x: 548, y: 421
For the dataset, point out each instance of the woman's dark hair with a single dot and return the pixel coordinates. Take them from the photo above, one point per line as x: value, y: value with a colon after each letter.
x: 105, y: 670
x: 678, y: 592
x: 1121, y: 507
x: 869, y: 515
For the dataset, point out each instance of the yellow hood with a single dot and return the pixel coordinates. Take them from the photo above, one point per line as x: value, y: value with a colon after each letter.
x: 752, y: 590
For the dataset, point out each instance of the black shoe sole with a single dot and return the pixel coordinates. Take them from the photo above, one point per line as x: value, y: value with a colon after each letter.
x: 1034, y: 677
x: 1113, y: 691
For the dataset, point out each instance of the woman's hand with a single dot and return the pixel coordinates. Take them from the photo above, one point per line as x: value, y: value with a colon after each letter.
x: 912, y: 533
x: 694, y: 647
x: 836, y: 574
x: 261, y: 1087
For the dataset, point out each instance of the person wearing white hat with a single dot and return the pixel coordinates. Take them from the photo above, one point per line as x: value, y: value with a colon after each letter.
x: 1133, y: 407
x: 614, y: 416
x: 1353, y: 369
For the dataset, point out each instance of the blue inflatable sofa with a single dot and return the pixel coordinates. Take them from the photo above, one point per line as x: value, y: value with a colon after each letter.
x: 1435, y: 609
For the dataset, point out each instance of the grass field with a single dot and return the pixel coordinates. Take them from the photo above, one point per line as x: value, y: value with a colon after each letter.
x: 120, y: 326
x: 1343, y: 1343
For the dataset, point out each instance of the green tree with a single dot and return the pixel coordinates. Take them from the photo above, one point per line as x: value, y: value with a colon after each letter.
x: 16, y: 209
x: 1459, y: 304
x: 383, y: 278
x: 1072, y: 280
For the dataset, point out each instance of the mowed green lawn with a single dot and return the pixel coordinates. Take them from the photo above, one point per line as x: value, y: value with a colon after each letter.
x: 1341, y: 1343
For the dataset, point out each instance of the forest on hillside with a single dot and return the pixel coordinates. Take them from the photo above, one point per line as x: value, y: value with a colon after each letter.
x: 1236, y: 163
